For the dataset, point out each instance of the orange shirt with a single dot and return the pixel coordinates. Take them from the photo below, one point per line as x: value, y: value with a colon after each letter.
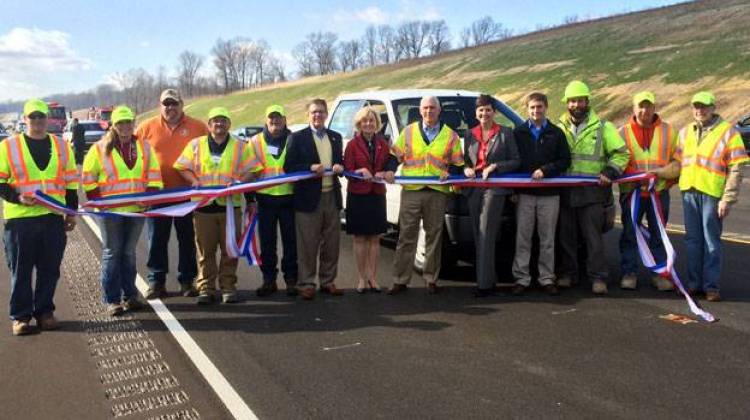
x: 169, y: 143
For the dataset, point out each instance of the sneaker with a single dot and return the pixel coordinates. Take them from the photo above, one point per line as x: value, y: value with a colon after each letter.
x: 47, y: 322
x: 156, y: 292
x: 629, y: 281
x: 267, y: 289
x: 599, y: 287
x: 713, y: 296
x: 133, y: 304
x: 564, y: 282
x: 229, y: 297
x: 115, y: 309
x: 662, y: 284
x: 21, y: 327
x: 205, y: 298
x: 187, y: 290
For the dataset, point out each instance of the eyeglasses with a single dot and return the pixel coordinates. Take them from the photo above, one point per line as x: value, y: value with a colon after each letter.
x: 170, y: 103
x: 36, y: 116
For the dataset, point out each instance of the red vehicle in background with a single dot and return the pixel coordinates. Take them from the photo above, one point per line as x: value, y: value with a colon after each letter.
x: 57, y: 118
x: 104, y: 115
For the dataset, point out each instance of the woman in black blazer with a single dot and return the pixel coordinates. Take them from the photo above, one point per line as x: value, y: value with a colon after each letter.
x: 489, y: 149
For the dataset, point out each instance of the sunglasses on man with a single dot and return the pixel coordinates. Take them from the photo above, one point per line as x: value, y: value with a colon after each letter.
x: 37, y: 116
x: 170, y: 102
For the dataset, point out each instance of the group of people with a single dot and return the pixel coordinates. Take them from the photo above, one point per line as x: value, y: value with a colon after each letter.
x: 174, y: 150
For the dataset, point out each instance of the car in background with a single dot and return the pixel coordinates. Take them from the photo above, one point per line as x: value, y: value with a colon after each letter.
x: 743, y: 126
x: 4, y: 133
x: 20, y: 127
x: 93, y: 132
x: 399, y: 108
x: 245, y: 133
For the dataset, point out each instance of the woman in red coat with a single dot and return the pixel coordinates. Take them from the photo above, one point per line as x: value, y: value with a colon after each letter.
x: 368, y: 155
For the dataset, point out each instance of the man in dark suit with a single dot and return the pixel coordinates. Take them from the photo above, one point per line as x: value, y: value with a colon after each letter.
x: 317, y: 201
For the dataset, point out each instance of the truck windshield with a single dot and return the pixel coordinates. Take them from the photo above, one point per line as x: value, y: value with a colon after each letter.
x: 57, y: 113
x: 458, y: 112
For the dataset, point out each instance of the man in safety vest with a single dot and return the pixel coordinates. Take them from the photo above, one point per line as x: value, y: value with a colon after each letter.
x: 596, y: 149
x: 425, y: 148
x: 651, y: 142
x: 216, y: 159
x: 275, y: 205
x: 710, y: 152
x: 31, y: 161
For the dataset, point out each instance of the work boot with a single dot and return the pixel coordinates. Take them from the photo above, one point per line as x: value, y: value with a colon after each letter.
x: 267, y: 289
x: 205, y: 298
x: 47, y: 322
x: 229, y: 297
x: 599, y: 287
x: 662, y: 284
x: 629, y: 281
x: 21, y: 327
x: 713, y: 296
x: 115, y: 309
x: 564, y: 282
x: 551, y: 289
x: 132, y: 304
x: 156, y: 291
x: 187, y: 290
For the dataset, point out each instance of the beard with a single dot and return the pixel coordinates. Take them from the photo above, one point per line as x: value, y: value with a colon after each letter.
x: 578, y: 114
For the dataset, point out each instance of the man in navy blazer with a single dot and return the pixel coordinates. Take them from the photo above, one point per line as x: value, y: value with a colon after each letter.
x: 317, y: 201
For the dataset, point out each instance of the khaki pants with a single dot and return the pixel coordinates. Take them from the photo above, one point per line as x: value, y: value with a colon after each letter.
x: 210, y: 234
x: 318, y: 235
x: 428, y: 206
x: 541, y: 211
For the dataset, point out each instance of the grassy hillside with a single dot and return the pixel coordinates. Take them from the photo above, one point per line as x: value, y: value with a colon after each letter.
x: 674, y: 51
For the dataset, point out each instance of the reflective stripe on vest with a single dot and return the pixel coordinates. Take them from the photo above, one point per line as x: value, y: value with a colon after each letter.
x: 658, y: 154
x: 421, y: 159
x: 271, y: 166
x: 119, y: 179
x: 702, y: 165
x: 217, y: 174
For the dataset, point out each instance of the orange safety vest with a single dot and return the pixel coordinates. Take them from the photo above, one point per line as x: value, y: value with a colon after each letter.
x: 658, y: 154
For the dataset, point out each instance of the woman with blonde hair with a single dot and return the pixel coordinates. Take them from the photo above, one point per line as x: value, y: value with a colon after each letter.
x: 367, y: 154
x: 120, y: 163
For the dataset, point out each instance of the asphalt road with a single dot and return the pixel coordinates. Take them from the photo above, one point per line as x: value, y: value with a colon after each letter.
x: 444, y: 356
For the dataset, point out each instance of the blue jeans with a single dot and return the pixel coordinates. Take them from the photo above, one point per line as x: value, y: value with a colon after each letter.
x: 629, y: 260
x: 33, y: 243
x: 703, y: 240
x: 119, y: 237
x: 159, y: 231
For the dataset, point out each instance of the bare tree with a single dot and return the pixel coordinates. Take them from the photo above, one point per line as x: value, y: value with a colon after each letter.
x: 275, y: 72
x: 323, y: 47
x: 349, y: 55
x: 438, y: 37
x: 225, y: 61
x: 305, y: 59
x: 370, y: 45
x: 387, y: 43
x: 571, y: 19
x: 137, y: 86
x: 412, y: 37
x: 187, y: 71
x: 262, y: 56
x: 487, y: 30
x: 466, y: 37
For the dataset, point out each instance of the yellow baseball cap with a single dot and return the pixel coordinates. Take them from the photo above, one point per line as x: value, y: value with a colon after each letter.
x: 644, y: 96
x: 705, y: 97
x: 218, y: 111
x: 35, y: 105
x: 122, y: 113
x: 277, y: 109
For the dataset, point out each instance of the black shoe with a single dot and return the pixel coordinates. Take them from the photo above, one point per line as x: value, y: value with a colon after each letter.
x: 397, y: 288
x: 480, y: 293
x: 266, y: 289
x: 291, y: 290
x: 518, y: 289
x: 551, y: 290
x: 187, y: 290
x: 156, y: 291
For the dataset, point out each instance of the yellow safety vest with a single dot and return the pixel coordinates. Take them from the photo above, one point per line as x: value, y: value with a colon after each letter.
x: 704, y: 165
x: 658, y: 155
x: 421, y: 159
x: 270, y: 166
x: 113, y: 177
x: 18, y: 169
x: 233, y: 163
x: 597, y: 146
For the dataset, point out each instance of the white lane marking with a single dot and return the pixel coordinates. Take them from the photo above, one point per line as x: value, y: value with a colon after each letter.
x: 567, y: 311
x: 210, y: 372
x: 345, y: 346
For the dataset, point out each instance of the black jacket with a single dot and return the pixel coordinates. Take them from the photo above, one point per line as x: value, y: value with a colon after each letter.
x: 502, y: 151
x: 550, y: 153
x: 300, y: 155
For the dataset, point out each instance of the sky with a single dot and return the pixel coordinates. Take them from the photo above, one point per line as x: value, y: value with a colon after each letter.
x: 74, y: 45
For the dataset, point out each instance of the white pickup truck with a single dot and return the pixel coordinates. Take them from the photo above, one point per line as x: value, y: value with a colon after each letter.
x: 397, y: 109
